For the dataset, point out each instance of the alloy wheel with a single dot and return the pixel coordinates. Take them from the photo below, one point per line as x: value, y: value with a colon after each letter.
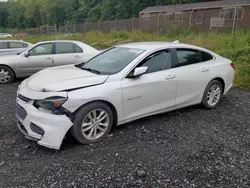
x: 95, y: 124
x: 5, y: 76
x: 213, y: 95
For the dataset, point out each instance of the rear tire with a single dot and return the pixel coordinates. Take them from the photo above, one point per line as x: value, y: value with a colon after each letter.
x: 212, y: 95
x: 6, y: 75
x: 92, y: 123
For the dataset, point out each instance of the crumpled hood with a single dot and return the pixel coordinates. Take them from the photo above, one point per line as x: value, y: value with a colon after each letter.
x: 63, y: 78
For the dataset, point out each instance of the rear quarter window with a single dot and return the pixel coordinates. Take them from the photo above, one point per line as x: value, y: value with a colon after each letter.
x: 206, y: 56
x: 78, y: 49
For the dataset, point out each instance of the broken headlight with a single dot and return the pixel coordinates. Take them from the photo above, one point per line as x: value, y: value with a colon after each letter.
x: 52, y: 104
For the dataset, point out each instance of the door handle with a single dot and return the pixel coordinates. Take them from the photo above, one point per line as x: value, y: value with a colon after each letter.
x: 76, y: 56
x: 170, y: 77
x: 204, y: 70
x: 50, y: 59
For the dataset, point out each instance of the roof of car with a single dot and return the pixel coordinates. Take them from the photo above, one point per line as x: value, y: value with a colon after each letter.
x: 74, y: 41
x: 155, y: 45
x: 79, y: 43
x: 13, y: 41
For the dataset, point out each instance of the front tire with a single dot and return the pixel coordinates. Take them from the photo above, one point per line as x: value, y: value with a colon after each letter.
x: 92, y: 123
x: 212, y: 94
x: 6, y: 75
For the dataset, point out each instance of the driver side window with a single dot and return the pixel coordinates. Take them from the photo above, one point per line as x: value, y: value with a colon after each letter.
x: 157, y: 62
x: 43, y: 49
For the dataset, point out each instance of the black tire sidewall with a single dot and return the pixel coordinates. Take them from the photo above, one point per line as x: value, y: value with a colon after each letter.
x: 81, y: 114
x: 12, y: 75
x: 204, y: 99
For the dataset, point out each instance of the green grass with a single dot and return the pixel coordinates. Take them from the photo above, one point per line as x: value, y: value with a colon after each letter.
x: 236, y: 48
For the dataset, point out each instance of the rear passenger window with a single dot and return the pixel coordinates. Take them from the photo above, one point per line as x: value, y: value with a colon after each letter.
x: 64, y: 48
x: 206, y: 57
x: 16, y: 45
x: 188, y: 57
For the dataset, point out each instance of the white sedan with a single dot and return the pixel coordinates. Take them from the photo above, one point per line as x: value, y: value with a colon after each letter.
x: 122, y: 84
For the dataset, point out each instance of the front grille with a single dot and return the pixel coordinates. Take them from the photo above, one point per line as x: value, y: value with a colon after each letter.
x: 20, y: 112
x: 23, y: 98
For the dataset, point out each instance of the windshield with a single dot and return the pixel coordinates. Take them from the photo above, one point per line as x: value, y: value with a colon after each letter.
x: 113, y: 60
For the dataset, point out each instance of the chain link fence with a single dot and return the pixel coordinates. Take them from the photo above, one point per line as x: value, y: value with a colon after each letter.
x: 221, y: 20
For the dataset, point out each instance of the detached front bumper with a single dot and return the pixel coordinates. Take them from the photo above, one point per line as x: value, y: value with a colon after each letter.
x: 46, y: 129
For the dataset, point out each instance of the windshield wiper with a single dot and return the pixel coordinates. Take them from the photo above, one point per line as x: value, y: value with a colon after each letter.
x: 91, y: 70
x: 87, y: 69
x: 78, y: 66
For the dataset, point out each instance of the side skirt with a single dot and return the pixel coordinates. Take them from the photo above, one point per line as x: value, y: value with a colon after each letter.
x: 157, y: 112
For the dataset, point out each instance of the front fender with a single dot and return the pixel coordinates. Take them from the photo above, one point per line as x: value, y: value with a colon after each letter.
x: 108, y: 92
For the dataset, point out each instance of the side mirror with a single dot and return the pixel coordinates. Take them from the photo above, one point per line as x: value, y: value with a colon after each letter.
x: 26, y: 54
x: 138, y: 72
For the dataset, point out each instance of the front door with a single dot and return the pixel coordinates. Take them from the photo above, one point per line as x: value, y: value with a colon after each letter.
x: 152, y: 92
x: 38, y: 58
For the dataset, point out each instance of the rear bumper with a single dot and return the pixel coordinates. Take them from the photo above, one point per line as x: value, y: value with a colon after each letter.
x: 228, y: 89
x: 53, y: 127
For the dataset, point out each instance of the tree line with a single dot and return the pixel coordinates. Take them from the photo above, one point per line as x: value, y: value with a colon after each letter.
x: 36, y: 13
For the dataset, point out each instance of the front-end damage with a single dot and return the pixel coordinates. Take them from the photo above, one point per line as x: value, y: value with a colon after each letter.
x: 42, y: 117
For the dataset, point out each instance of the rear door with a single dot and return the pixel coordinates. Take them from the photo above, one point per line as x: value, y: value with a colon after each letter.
x: 67, y: 53
x: 193, y: 73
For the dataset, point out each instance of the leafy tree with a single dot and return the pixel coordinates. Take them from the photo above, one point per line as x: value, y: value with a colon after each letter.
x: 35, y: 13
x: 15, y: 14
x: 4, y: 14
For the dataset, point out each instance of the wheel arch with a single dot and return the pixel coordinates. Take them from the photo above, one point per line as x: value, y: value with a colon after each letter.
x: 221, y: 80
x: 112, y: 107
x: 9, y: 68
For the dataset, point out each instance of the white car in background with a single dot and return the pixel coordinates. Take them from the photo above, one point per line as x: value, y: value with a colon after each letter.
x: 13, y: 47
x: 122, y: 84
x: 44, y: 55
x: 5, y: 35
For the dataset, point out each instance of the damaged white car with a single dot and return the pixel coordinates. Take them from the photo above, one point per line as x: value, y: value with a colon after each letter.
x: 123, y: 83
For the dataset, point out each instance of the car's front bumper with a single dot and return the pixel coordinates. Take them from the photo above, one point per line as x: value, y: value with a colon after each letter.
x: 53, y: 127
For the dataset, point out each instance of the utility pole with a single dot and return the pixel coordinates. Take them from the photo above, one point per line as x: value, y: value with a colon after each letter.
x: 235, y: 17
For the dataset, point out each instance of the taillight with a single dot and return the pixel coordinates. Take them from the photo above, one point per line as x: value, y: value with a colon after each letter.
x: 232, y: 65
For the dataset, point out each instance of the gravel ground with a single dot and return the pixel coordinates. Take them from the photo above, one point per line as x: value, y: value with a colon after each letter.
x: 191, y: 147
